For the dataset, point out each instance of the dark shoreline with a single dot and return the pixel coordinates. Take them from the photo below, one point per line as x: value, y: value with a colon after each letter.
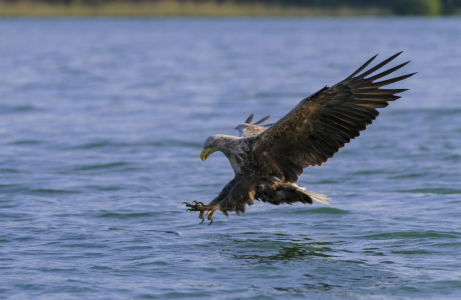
x: 178, y: 9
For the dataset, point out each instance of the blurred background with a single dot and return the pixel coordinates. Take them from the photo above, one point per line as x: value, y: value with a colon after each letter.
x: 229, y: 7
x: 104, y: 109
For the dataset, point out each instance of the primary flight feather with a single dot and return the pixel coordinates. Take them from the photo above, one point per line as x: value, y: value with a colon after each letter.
x: 268, y: 159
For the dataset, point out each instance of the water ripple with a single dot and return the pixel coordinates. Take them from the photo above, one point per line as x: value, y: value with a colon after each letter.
x: 102, y: 122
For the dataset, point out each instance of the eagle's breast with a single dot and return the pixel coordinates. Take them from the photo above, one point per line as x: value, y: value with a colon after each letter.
x: 236, y: 153
x: 236, y: 163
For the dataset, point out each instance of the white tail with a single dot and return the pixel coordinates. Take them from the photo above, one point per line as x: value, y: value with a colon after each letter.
x: 318, y: 197
x: 315, y: 196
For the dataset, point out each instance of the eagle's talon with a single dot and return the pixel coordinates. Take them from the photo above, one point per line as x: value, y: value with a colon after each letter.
x: 204, y: 209
x: 211, y: 222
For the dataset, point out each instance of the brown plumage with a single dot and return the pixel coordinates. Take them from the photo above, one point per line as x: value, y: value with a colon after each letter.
x: 268, y: 159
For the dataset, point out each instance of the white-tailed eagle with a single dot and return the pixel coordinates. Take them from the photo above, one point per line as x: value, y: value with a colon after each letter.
x: 267, y: 159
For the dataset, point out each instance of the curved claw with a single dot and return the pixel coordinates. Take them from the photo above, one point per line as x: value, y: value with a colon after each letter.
x: 184, y: 203
x: 187, y: 209
x: 211, y: 222
x: 202, y: 221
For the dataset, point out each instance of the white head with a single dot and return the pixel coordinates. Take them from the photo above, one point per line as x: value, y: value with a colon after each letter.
x: 219, y: 142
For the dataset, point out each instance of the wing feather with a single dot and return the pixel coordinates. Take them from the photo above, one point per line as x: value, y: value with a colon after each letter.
x: 322, y: 123
x: 249, y: 130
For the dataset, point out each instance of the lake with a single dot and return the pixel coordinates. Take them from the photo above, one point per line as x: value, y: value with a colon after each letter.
x: 102, y: 122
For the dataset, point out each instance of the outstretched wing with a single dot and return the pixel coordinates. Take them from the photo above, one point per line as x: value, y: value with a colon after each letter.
x: 249, y: 130
x: 322, y: 123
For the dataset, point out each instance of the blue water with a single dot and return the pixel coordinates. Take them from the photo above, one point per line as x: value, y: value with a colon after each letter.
x: 102, y: 122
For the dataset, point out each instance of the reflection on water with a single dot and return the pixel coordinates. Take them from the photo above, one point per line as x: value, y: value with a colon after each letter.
x: 329, y: 266
x: 286, y: 251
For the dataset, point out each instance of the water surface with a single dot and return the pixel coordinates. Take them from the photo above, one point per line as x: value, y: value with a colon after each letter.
x: 102, y: 122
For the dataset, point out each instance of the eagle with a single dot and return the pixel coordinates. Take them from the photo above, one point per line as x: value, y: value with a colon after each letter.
x: 268, y: 159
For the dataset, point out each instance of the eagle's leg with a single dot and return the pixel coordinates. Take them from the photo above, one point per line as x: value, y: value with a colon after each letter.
x: 202, y: 208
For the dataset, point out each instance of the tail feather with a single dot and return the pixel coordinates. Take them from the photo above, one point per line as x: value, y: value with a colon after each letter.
x: 318, y: 197
x: 281, y: 192
x: 315, y: 196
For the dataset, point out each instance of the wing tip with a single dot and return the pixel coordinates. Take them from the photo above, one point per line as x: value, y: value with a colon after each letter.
x: 262, y: 120
x: 248, y: 120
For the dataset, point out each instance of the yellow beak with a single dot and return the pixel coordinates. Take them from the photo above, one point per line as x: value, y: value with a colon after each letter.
x: 205, y: 153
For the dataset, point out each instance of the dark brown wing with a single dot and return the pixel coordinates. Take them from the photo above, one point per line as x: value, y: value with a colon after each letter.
x: 321, y: 124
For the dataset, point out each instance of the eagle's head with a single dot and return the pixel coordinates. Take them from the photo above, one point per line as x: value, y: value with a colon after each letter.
x: 219, y: 142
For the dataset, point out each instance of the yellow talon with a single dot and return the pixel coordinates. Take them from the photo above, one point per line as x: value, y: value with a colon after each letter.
x: 202, y: 208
